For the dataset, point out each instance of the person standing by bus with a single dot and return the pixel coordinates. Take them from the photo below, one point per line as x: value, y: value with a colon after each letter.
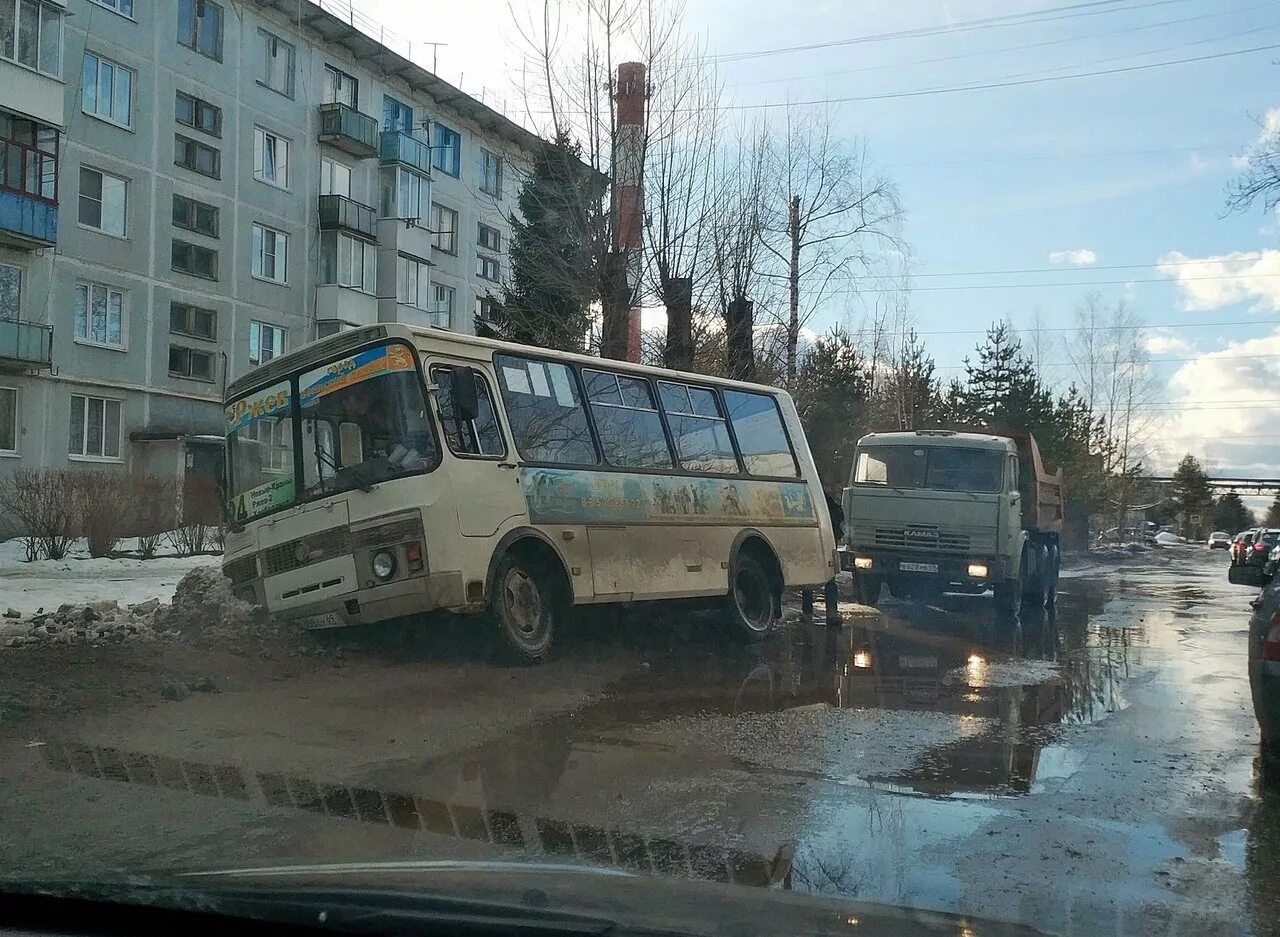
x: 831, y: 592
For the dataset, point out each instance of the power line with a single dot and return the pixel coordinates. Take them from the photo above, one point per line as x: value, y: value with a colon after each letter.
x: 1033, y: 17
x: 1018, y: 286
x: 1075, y: 328
x: 1074, y: 157
x: 1072, y: 364
x: 1082, y: 269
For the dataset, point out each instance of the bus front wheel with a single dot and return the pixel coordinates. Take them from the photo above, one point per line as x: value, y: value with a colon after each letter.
x: 527, y: 607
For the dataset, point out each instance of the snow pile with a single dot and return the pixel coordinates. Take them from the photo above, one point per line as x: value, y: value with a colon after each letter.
x: 1166, y: 539
x: 203, y: 608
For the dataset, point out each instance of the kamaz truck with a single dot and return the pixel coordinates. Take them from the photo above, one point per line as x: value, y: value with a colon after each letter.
x: 935, y: 511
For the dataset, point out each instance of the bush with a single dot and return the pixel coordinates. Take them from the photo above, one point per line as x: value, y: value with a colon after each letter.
x: 190, y: 539
x: 41, y: 501
x: 101, y: 502
x: 155, y: 498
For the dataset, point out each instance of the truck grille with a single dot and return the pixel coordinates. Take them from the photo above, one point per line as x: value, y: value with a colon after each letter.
x: 923, y: 538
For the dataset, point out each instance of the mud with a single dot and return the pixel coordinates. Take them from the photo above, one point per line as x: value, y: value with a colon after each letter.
x: 1089, y: 771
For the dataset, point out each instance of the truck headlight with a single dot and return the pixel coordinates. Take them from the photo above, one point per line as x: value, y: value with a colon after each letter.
x: 978, y: 570
x: 384, y: 564
x: 862, y: 562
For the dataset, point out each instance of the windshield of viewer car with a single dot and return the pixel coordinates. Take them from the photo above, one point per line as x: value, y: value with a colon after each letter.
x: 939, y: 468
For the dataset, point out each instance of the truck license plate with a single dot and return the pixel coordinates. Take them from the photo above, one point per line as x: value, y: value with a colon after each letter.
x: 323, y: 620
x: 918, y: 567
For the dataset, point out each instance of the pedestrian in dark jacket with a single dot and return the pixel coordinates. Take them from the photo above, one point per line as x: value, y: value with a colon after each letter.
x: 831, y: 593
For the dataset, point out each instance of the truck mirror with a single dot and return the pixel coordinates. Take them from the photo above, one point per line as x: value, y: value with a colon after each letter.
x: 466, y: 395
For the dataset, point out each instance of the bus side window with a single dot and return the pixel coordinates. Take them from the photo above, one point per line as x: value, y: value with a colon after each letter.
x: 483, y: 436
x: 761, y: 438
x: 698, y: 427
x: 544, y: 411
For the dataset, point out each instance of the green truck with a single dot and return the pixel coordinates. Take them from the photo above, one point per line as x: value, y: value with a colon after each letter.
x: 932, y: 511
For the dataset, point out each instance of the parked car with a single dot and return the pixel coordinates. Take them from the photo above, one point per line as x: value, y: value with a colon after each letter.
x: 1264, y: 669
x: 1240, y: 543
x: 1258, y: 551
x: 1219, y: 540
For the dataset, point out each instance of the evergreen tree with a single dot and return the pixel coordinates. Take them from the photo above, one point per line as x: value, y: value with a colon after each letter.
x: 547, y: 300
x: 1191, y: 496
x: 831, y: 393
x: 1002, y: 390
x: 1230, y: 514
x: 1273, y: 513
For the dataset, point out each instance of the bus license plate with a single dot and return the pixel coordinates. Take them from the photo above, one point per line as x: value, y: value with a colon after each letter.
x: 323, y: 620
x: 918, y: 567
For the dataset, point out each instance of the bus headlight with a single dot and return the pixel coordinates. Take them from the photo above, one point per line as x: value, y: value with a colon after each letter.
x: 384, y: 564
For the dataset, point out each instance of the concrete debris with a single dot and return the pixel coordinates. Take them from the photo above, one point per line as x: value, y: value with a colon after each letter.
x: 12, y: 613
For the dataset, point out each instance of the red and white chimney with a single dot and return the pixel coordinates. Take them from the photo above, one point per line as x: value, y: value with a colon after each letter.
x: 628, y: 188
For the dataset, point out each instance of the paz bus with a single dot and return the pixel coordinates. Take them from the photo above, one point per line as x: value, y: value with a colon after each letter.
x: 390, y: 471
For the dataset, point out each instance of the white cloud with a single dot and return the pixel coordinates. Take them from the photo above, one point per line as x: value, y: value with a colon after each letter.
x: 1215, y: 417
x: 1164, y: 342
x: 1076, y: 258
x: 1213, y: 282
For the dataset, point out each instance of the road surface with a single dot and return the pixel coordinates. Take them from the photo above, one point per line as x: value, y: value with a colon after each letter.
x: 1092, y: 772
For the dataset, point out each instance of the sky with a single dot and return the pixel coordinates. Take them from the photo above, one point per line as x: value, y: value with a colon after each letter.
x: 1021, y: 199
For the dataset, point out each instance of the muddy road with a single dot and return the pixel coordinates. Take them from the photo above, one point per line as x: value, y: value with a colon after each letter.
x: 1092, y: 771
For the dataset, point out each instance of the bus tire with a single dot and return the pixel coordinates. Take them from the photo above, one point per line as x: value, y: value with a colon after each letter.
x: 527, y: 604
x: 754, y: 601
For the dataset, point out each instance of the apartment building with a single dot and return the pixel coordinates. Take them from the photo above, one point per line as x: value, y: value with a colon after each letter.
x: 189, y: 188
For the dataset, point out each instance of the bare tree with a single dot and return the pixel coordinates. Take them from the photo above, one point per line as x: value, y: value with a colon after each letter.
x: 828, y: 211
x: 1260, y: 179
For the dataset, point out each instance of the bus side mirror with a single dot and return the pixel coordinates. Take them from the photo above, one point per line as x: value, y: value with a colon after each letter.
x: 466, y: 395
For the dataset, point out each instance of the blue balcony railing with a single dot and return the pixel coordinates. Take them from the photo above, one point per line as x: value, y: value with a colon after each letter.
x: 348, y: 130
x: 25, y: 344
x: 400, y: 147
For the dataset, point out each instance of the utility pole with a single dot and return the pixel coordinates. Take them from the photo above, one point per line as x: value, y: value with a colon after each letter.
x: 793, y: 287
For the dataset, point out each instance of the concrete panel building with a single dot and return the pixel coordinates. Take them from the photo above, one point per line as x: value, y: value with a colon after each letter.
x: 189, y: 188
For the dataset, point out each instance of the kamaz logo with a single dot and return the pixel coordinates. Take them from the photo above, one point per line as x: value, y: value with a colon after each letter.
x: 921, y: 534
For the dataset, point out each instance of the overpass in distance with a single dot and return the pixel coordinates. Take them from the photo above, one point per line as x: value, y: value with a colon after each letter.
x: 1242, y: 485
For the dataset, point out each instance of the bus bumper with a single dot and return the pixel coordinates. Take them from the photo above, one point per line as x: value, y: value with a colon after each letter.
x: 379, y: 603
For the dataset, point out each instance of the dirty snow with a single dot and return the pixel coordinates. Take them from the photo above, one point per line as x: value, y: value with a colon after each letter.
x: 79, y: 579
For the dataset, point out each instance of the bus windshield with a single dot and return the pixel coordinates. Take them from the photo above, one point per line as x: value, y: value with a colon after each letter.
x: 940, y: 468
x: 361, y: 420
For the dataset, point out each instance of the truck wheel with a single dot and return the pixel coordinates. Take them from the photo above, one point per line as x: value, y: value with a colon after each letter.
x: 868, y: 589
x: 1055, y: 567
x: 754, y: 601
x: 527, y: 605
x: 1270, y: 758
x: 1035, y: 582
x: 1008, y: 599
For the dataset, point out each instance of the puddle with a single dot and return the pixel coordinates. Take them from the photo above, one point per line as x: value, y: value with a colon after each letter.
x: 1231, y: 846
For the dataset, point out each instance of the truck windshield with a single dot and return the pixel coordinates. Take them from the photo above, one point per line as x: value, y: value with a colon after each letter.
x: 362, y: 420
x: 939, y: 468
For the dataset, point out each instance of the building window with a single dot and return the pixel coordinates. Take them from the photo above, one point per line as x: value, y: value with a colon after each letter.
x: 94, y: 427
x: 335, y: 177
x: 270, y: 254
x: 198, y: 114
x: 491, y: 173
x: 446, y: 148
x: 194, y: 259
x: 396, y: 115
x: 31, y: 34
x: 28, y: 157
x: 190, y: 363
x: 103, y: 201
x: 490, y: 238
x: 200, y: 27
x: 99, y: 314
x: 265, y: 342
x: 277, y: 63
x: 8, y: 419
x: 442, y: 307
x: 10, y: 291
x: 107, y: 90
x: 405, y: 193
x: 185, y: 319
x: 123, y: 7
x: 270, y: 158
x: 412, y: 279
x: 199, y: 217
x: 340, y: 88
x: 444, y: 228
x: 488, y: 269
x: 347, y: 261
x: 196, y: 156
x: 486, y: 309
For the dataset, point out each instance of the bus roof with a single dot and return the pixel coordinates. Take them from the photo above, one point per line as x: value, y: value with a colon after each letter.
x: 326, y: 348
x: 939, y: 438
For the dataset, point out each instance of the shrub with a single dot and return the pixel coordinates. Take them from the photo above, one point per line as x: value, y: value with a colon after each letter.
x: 101, y: 502
x: 190, y: 539
x: 155, y: 498
x: 41, y: 501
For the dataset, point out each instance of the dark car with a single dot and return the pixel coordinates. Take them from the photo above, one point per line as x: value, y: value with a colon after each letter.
x: 1264, y: 675
x: 1257, y: 550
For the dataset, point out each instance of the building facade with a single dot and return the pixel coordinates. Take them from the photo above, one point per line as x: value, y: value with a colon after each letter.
x: 193, y: 187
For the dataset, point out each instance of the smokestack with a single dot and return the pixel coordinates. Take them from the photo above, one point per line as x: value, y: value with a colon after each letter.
x: 628, y: 198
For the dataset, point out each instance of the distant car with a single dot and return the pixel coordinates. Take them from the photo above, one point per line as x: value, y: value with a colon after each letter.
x: 1219, y: 540
x: 1258, y: 549
x: 1264, y: 677
x: 1241, y: 543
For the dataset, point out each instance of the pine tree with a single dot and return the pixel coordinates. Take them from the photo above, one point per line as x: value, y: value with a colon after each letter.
x: 1230, y: 514
x: 1002, y: 390
x: 831, y: 392
x: 1273, y: 513
x: 547, y: 300
x: 1190, y: 495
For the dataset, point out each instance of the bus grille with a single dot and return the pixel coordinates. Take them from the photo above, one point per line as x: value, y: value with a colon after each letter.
x: 241, y: 570
x: 323, y: 545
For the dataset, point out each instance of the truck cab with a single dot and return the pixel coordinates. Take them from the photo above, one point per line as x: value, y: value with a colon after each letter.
x: 938, y: 510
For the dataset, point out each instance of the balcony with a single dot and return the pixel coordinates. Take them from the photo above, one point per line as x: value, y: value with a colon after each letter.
x: 347, y: 305
x: 400, y: 147
x: 337, y: 212
x: 28, y: 194
x: 348, y: 130
x: 25, y: 346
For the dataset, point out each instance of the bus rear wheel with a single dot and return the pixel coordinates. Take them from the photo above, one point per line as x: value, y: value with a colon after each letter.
x: 527, y: 607
x: 754, y: 601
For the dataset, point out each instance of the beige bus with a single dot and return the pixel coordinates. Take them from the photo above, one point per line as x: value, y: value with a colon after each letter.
x: 391, y: 471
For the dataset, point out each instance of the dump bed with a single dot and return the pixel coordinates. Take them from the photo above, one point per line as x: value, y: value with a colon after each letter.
x: 1043, y: 494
